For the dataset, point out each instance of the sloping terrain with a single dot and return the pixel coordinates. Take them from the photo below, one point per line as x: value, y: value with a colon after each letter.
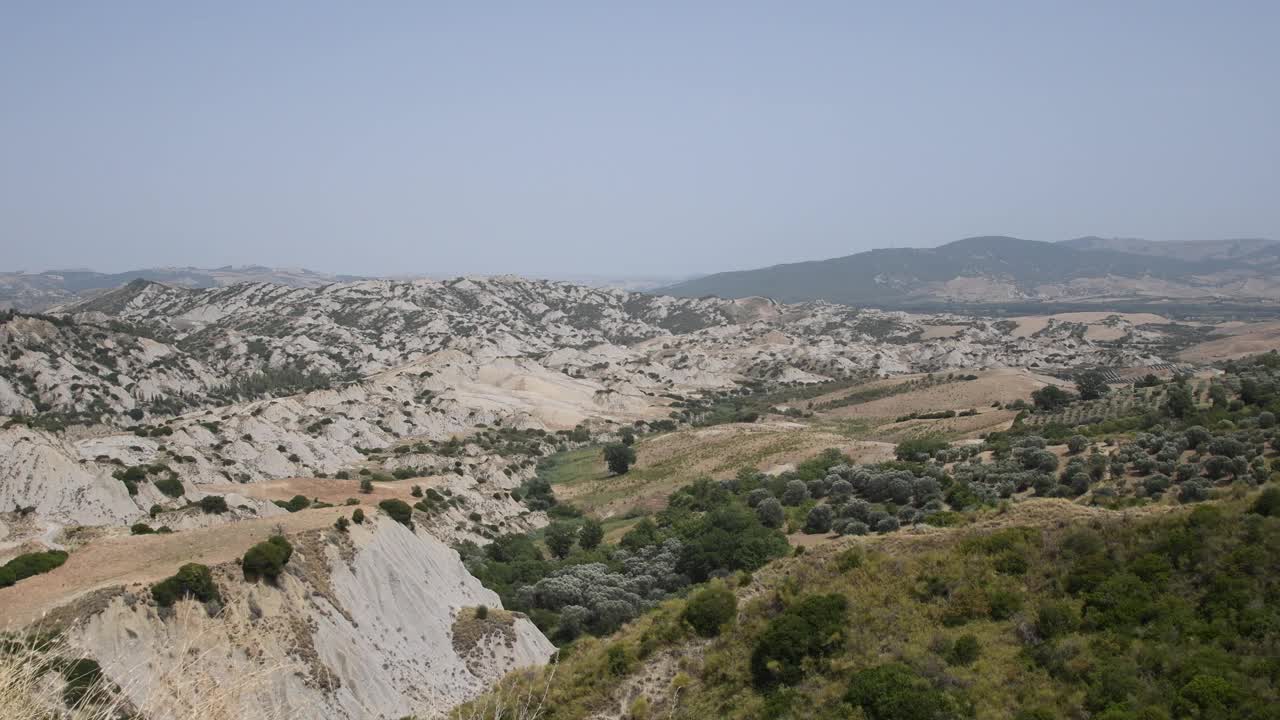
x: 34, y: 292
x: 221, y: 416
x: 361, y: 626
x: 1236, y: 340
x: 1192, y: 250
x: 999, y: 270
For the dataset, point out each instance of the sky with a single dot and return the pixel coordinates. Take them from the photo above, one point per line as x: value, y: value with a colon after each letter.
x: 623, y: 139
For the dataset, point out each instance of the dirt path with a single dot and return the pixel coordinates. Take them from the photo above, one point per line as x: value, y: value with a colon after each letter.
x: 144, y: 559
x: 330, y: 490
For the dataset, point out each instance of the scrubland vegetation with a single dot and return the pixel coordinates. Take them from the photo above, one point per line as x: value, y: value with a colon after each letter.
x: 1171, y: 615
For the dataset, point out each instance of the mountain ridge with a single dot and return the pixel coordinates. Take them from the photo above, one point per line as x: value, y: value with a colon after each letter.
x: 990, y: 269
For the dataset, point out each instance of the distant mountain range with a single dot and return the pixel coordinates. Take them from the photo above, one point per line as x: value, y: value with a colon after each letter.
x: 984, y: 270
x: 37, y: 291
x: 33, y: 292
x: 997, y: 269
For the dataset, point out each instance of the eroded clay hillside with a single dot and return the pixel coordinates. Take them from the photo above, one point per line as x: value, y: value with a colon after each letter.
x: 149, y: 350
x: 153, y: 427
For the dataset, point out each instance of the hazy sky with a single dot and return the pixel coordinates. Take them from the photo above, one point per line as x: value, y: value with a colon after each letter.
x: 623, y: 138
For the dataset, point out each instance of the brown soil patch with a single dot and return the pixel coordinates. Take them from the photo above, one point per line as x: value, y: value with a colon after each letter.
x: 1002, y: 385
x: 1031, y: 324
x: 1237, y: 341
x: 131, y: 559
x: 933, y: 332
x: 841, y: 394
x: 956, y: 428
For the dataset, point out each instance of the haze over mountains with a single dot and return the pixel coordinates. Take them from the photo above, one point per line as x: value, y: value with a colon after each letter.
x: 995, y: 269
x: 33, y: 292
x: 977, y: 270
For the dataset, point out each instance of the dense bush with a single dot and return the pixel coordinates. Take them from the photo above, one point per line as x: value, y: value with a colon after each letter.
x: 590, y: 534
x: 1050, y: 397
x: 619, y: 458
x: 726, y: 539
x: 82, y: 676
x: 894, y: 692
x: 711, y: 608
x: 170, y: 486
x: 1268, y: 503
x: 192, y: 580
x: 295, y: 503
x: 818, y: 521
x: 399, y: 511
x: 267, y: 559
x: 964, y: 651
x: 770, y: 513
x: 24, y: 566
x: 213, y: 504
x: 919, y: 449
x: 559, y: 538
x: 810, y: 629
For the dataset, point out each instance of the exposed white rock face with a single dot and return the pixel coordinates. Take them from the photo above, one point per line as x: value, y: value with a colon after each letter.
x: 204, y: 384
x: 432, y: 360
x: 361, y: 626
x: 39, y: 470
x: 161, y: 349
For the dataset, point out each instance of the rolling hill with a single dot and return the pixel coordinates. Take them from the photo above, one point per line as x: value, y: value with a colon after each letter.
x: 996, y: 269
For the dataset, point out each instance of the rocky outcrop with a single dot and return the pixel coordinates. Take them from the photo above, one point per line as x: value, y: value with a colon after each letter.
x: 360, y: 626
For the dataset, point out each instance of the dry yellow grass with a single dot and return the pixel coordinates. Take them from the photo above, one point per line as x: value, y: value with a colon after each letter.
x: 1235, y: 342
x: 143, y: 559
x: 31, y: 687
x: 667, y: 462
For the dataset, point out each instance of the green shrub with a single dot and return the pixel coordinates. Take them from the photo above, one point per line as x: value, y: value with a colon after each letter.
x: 559, y: 538
x: 366, y: 485
x: 850, y: 559
x: 619, y: 458
x: 82, y: 676
x: 590, y: 534
x: 965, y: 651
x: 191, y: 580
x: 1004, y: 603
x: 1055, y: 619
x: 213, y: 504
x: 24, y: 566
x: 357, y: 516
x: 1268, y: 503
x: 482, y: 612
x: 295, y: 503
x: 341, y: 524
x: 919, y: 449
x: 141, y: 529
x: 170, y: 486
x: 894, y: 692
x: 711, y: 608
x: 399, y: 511
x: 812, y: 628
x: 619, y: 660
x: 267, y: 559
